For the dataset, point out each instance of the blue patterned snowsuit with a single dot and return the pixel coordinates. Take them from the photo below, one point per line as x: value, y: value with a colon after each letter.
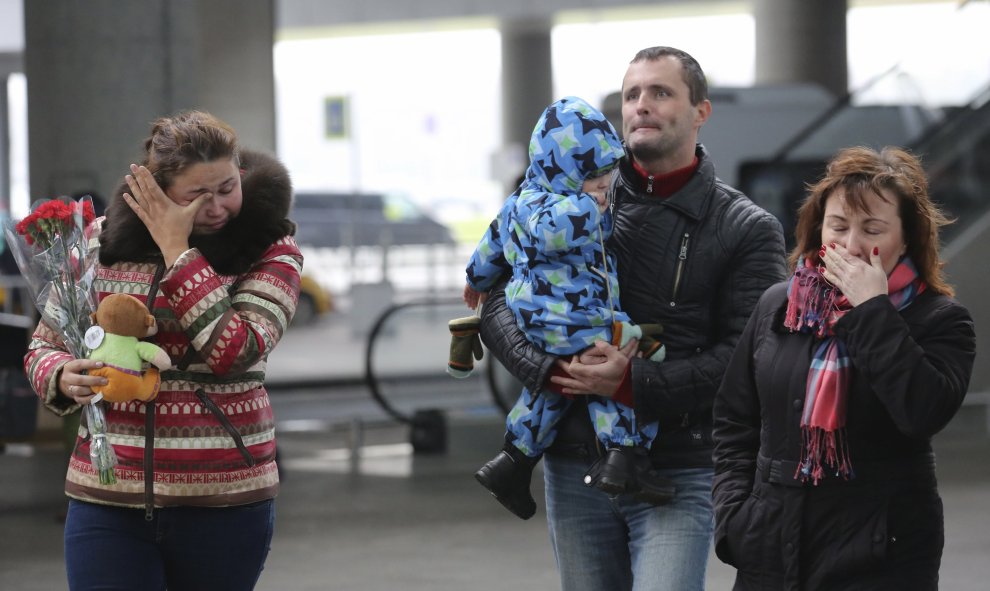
x: 551, y: 236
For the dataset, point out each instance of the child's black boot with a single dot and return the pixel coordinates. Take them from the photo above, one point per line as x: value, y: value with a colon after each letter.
x: 613, y: 473
x: 507, y: 477
x: 627, y: 470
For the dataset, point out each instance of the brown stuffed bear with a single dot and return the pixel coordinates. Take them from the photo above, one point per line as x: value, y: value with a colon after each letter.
x: 119, y: 321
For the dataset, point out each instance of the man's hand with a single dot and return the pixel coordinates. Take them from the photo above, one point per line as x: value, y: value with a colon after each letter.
x: 597, y: 371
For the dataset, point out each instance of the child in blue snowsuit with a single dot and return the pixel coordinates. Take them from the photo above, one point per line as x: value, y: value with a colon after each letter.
x: 563, y: 291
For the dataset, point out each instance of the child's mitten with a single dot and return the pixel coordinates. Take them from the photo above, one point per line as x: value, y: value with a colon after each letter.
x: 650, y: 344
x: 465, y: 343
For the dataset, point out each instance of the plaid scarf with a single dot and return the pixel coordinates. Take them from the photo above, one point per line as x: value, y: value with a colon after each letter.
x: 814, y: 306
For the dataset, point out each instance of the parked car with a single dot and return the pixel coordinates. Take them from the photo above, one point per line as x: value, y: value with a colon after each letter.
x: 314, y: 301
x: 328, y: 219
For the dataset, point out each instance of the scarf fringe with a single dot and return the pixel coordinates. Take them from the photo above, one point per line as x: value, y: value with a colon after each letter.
x: 813, y: 302
x: 823, y: 450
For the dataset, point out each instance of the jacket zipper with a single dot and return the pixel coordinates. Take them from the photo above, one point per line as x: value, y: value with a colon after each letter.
x: 649, y: 184
x: 681, y: 258
x: 227, y: 425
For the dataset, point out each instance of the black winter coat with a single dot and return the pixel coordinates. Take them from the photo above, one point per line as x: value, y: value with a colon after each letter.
x: 695, y: 262
x: 883, y: 528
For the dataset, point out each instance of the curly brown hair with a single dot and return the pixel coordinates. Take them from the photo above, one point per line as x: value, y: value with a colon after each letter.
x: 859, y: 171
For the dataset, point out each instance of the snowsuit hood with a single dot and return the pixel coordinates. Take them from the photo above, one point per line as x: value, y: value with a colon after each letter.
x: 571, y: 142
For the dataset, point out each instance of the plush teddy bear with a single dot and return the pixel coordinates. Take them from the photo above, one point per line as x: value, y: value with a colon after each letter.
x: 119, y: 321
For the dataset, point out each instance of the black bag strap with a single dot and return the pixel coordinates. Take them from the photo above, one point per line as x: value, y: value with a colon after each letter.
x: 149, y: 414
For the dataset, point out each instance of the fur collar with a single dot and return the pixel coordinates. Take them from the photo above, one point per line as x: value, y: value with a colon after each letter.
x: 263, y: 219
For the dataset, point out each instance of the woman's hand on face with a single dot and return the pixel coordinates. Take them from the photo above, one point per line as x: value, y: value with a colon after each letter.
x: 169, y: 223
x: 856, y: 279
x: 74, y: 383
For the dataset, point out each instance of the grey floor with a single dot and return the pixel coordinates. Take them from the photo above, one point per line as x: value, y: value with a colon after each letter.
x: 386, y: 518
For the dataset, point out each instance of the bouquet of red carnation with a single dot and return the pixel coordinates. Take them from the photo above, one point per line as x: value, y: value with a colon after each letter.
x: 53, y: 253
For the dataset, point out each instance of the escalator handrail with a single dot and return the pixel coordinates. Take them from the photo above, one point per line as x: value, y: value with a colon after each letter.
x: 957, y: 119
x: 826, y: 116
x: 369, y: 372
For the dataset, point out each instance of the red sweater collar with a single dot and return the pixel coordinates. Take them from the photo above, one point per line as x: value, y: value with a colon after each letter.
x: 665, y: 185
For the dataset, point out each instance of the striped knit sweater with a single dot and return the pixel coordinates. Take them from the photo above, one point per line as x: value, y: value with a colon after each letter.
x: 232, y: 322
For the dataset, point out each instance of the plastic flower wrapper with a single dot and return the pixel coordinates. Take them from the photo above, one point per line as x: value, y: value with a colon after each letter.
x: 54, y: 257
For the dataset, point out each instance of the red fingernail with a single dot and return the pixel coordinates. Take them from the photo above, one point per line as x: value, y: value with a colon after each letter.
x: 821, y: 251
x: 876, y: 250
x: 832, y: 245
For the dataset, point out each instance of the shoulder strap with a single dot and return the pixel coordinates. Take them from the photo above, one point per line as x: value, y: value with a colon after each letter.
x: 153, y: 290
x: 191, y: 353
x: 149, y: 415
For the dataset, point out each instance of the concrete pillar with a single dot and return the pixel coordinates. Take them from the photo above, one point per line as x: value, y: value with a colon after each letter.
x: 527, y: 83
x: 802, y: 41
x: 237, y: 66
x: 10, y: 62
x: 99, y: 72
x: 4, y: 148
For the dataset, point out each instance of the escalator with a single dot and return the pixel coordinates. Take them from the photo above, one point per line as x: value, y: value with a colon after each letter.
x: 954, y: 148
x: 932, y: 100
x: 956, y: 155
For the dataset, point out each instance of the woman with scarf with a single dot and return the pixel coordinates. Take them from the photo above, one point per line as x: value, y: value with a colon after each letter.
x: 824, y: 470
x: 199, y: 233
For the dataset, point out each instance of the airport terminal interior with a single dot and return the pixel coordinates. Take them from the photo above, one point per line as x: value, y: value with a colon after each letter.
x: 403, y: 128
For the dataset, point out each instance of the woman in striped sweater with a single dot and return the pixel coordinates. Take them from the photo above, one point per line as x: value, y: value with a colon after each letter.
x: 199, y: 231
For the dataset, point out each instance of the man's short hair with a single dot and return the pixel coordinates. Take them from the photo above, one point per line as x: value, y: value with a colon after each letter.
x: 694, y: 76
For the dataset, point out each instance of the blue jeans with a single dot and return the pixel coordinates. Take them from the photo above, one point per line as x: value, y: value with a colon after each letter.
x: 619, y: 544
x: 185, y: 548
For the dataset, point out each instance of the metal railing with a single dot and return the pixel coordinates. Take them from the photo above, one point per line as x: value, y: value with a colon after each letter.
x: 428, y: 426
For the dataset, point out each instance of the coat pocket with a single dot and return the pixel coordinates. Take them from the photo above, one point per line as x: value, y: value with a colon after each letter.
x: 847, y: 535
x: 227, y: 426
x: 745, y: 533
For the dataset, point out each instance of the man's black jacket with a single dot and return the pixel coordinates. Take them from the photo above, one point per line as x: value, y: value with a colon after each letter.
x: 695, y: 262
